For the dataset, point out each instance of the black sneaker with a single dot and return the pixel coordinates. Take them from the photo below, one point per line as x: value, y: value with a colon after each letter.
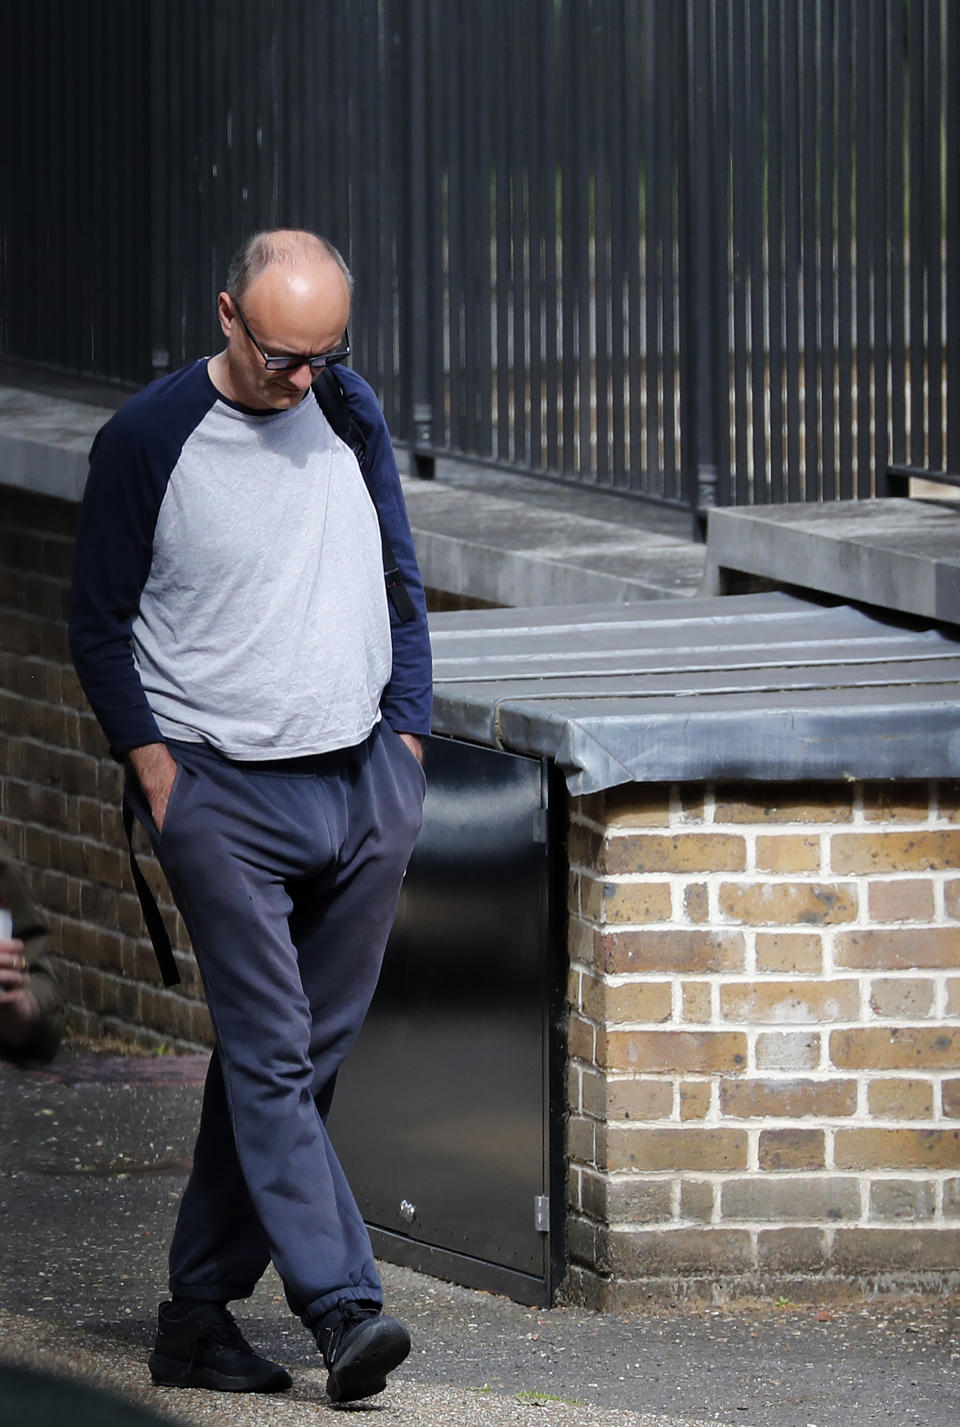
x: 202, y: 1347
x: 360, y: 1345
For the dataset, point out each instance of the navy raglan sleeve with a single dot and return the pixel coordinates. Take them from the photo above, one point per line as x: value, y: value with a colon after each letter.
x: 118, y: 517
x: 407, y: 699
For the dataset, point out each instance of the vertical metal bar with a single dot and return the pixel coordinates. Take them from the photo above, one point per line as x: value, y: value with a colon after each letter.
x: 579, y: 229
x: 792, y: 255
x: 551, y: 238
x: 917, y: 46
x: 652, y: 291
x: 827, y: 259
x: 933, y: 154
x: 418, y: 340
x: 705, y: 229
x: 618, y: 138
x: 864, y: 348
x: 896, y: 187
x: 758, y: 205
x: 501, y: 174
x: 812, y: 467
x: 880, y: 243
x: 845, y: 470
x: 539, y: 180
x: 736, y: 83
x: 523, y: 137
x: 775, y: 283
x: 952, y: 453
x: 480, y: 216
x: 601, y: 95
x: 669, y: 479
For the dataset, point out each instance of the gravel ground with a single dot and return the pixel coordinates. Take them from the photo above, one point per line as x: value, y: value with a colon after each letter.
x: 91, y: 1167
x: 119, y: 1369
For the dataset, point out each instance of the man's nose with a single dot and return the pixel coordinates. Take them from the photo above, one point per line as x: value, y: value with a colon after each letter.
x: 302, y: 376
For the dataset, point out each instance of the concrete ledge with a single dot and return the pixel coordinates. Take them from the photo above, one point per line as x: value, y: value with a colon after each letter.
x: 44, y: 441
x: 527, y: 544
x: 898, y: 554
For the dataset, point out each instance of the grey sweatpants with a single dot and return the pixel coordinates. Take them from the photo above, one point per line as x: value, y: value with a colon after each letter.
x: 287, y: 876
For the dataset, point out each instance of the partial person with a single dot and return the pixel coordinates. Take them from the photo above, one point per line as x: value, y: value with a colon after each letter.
x: 232, y: 630
x: 31, y: 1002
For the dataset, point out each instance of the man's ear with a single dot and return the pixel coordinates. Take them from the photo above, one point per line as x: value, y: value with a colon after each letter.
x: 226, y: 313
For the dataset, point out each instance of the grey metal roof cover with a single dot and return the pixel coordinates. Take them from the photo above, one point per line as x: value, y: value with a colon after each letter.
x: 761, y: 687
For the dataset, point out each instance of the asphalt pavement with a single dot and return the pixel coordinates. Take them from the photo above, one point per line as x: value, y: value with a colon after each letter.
x: 94, y: 1152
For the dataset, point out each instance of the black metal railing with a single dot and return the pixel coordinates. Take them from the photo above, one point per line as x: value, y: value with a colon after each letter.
x: 696, y: 251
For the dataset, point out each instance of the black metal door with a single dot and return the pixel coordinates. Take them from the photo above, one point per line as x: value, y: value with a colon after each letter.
x: 442, y: 1113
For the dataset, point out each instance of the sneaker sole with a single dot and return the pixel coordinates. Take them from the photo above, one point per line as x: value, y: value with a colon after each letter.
x: 362, y: 1370
x: 171, y: 1372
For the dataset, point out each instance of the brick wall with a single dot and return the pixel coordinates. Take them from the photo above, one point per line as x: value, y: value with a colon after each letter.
x: 764, y: 1038
x: 60, y: 799
x: 764, y: 1027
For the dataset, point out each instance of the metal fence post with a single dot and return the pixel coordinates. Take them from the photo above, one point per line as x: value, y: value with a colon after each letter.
x: 698, y: 336
x: 419, y: 336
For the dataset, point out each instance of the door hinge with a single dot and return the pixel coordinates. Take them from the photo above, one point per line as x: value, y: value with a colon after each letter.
x: 541, y: 1213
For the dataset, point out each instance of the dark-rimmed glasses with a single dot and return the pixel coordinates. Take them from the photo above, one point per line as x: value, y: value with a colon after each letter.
x: 316, y: 361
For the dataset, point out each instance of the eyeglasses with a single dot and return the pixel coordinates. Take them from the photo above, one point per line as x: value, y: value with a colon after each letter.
x: 316, y: 362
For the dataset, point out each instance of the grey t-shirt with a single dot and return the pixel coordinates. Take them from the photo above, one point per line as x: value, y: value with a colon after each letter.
x: 263, y: 626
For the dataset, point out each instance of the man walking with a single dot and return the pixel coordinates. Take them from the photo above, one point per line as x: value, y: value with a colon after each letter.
x: 231, y: 629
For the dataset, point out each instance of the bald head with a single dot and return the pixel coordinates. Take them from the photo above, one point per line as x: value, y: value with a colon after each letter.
x: 287, y: 295
x: 282, y: 248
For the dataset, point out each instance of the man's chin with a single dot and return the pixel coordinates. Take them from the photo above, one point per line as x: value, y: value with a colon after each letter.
x: 281, y: 399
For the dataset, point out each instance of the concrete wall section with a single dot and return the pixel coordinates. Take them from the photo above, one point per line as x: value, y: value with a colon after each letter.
x: 764, y: 1039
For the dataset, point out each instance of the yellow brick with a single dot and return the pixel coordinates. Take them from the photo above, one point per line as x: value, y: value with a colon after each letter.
x: 953, y: 995
x: 629, y: 805
x: 697, y: 1002
x: 788, y: 1050
x: 637, y: 1002
x: 897, y: 1149
x: 671, y: 1149
x: 683, y: 852
x: 792, y: 1148
x: 791, y: 853
x: 929, y: 851
x: 901, y: 999
x: 581, y: 1039
x: 951, y: 898
x: 696, y: 1052
x: 908, y: 901
x: 889, y: 1048
x: 671, y: 950
x: 787, y: 1099
x: 883, y: 1251
x: 616, y: 903
x: 695, y: 1099
x: 900, y: 1099
x: 637, y: 1099
x: 786, y: 803
x: 696, y: 902
x: 951, y: 1099
x: 790, y: 1002
x: 896, y: 802
x: 674, y: 1253
x: 788, y: 903
x: 893, y: 949
x: 797, y: 952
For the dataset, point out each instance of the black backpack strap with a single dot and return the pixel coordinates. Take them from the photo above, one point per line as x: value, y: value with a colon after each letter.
x: 335, y: 407
x: 151, y: 912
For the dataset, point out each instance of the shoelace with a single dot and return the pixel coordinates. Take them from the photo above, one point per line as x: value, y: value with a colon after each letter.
x: 224, y: 1331
x: 351, y: 1313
